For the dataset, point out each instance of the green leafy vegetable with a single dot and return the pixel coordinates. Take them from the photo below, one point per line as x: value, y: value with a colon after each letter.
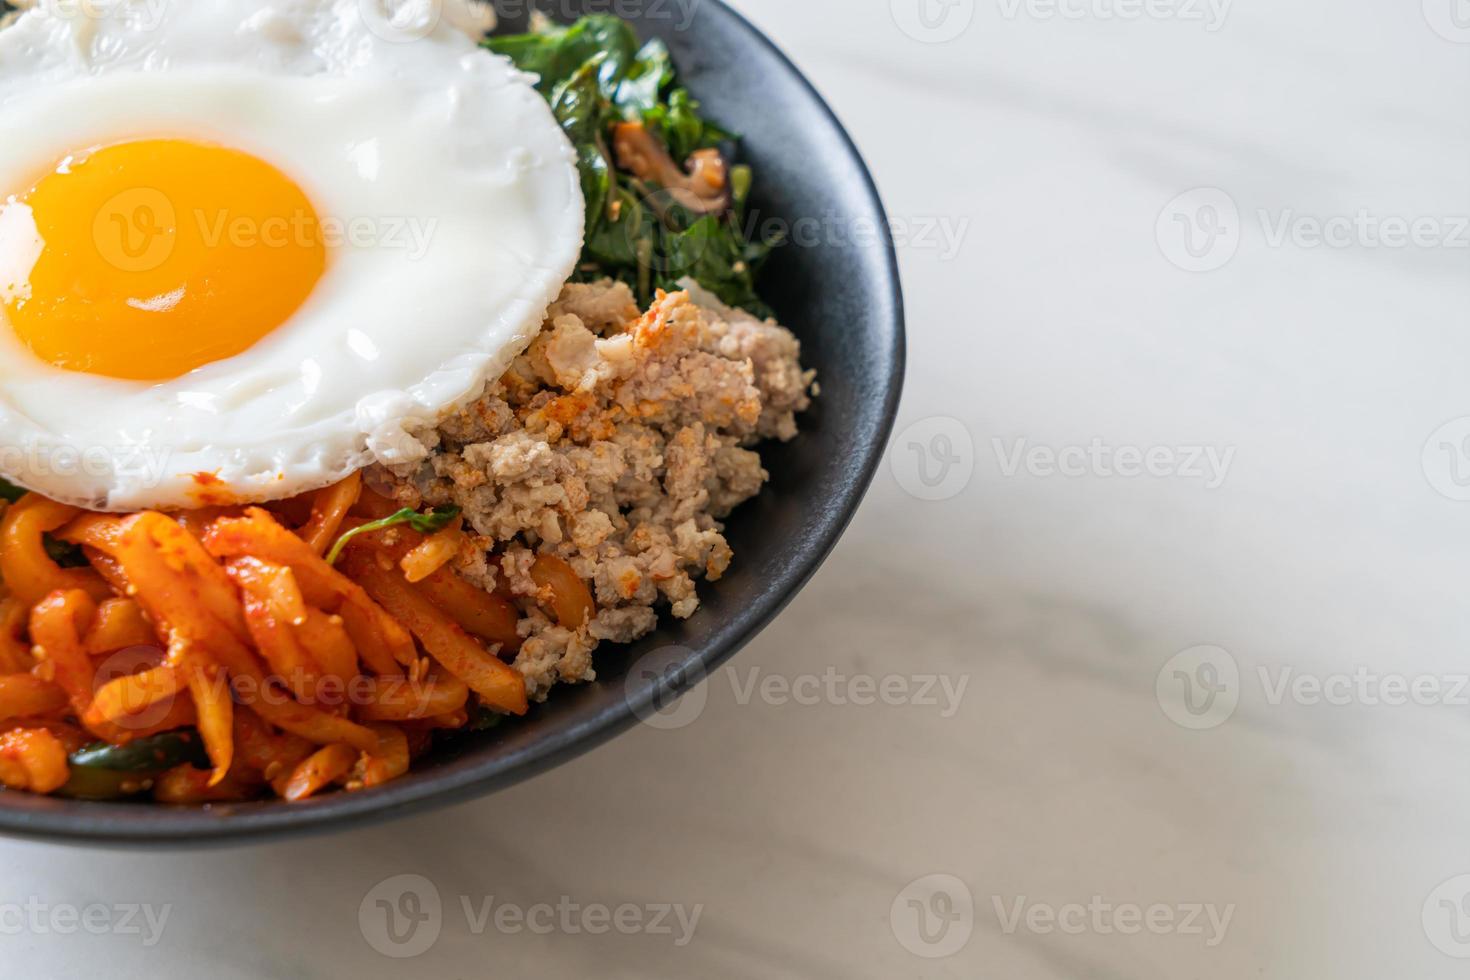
x: 556, y: 53
x: 595, y: 76
x: 10, y: 492
x: 678, y: 122
x: 577, y: 105
x: 705, y: 252
x: 434, y: 521
x: 641, y: 88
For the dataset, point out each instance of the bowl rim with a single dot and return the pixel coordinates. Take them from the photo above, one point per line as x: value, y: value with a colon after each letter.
x: 137, y: 825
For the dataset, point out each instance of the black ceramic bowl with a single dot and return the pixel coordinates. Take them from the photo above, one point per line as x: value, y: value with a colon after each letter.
x: 842, y: 299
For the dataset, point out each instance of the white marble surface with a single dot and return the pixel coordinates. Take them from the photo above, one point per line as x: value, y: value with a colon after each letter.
x: 1326, y: 832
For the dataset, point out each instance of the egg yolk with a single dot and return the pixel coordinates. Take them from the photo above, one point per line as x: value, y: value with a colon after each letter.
x: 157, y: 257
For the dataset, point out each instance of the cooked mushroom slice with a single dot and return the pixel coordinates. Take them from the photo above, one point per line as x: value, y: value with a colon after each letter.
x: 705, y: 189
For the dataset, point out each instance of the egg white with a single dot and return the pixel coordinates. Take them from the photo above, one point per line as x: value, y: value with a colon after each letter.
x: 444, y: 157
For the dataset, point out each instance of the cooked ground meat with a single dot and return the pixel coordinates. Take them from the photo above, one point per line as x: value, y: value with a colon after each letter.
x: 617, y: 442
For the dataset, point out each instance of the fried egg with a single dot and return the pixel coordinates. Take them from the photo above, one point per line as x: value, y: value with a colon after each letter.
x: 246, y: 249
